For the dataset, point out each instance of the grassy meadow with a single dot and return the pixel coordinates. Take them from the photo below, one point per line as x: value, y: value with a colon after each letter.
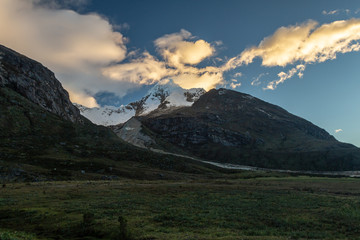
x: 269, y: 207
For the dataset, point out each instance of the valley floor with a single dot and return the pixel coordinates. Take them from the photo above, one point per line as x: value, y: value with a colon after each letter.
x: 269, y: 207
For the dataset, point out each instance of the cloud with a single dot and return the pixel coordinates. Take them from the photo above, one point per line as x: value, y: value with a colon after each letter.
x: 234, y: 84
x: 303, y: 44
x: 76, y: 47
x: 256, y: 81
x: 180, y: 55
x: 89, y: 56
x: 307, y: 43
x: 299, y: 69
x: 336, y: 12
x: 83, y: 99
x: 324, y: 12
x: 177, y: 51
x: 338, y: 130
x: 143, y: 70
x: 238, y: 74
x: 206, y: 80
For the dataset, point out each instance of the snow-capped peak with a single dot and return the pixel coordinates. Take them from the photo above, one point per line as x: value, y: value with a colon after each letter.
x: 165, y: 93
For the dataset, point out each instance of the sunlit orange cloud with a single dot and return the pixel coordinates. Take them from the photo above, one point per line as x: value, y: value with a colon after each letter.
x: 88, y: 55
x: 83, y: 99
x: 145, y: 69
x: 304, y: 44
x: 180, y: 55
x: 176, y: 51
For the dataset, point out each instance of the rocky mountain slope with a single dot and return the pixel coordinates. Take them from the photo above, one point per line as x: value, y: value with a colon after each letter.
x: 35, y: 82
x: 43, y: 136
x: 231, y: 127
x: 164, y: 95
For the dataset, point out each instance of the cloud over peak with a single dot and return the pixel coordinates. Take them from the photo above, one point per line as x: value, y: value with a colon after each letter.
x: 180, y: 53
x: 176, y: 50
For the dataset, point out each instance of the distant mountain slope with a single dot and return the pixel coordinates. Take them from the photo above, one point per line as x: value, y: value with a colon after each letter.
x: 163, y: 95
x: 232, y: 127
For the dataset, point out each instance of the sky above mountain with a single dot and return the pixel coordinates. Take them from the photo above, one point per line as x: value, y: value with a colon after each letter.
x: 301, y: 55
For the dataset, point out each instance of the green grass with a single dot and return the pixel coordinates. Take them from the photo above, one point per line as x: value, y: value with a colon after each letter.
x: 15, y: 235
x: 258, y: 208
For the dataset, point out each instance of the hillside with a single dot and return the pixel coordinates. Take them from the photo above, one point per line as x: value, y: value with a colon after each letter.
x: 43, y: 136
x: 231, y: 127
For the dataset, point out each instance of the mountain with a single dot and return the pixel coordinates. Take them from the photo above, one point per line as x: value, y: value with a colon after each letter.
x: 231, y: 127
x: 164, y: 95
x: 44, y: 137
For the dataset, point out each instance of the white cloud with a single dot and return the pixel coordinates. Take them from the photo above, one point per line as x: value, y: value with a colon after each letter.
x: 74, y: 46
x: 303, y: 44
x: 206, y: 80
x: 256, y: 81
x: 87, y: 54
x: 307, y: 43
x: 238, y: 74
x: 142, y: 70
x: 299, y: 69
x: 336, y: 11
x: 176, y: 50
x: 234, y: 84
x: 338, y: 130
x: 83, y: 99
x: 180, y: 53
x: 332, y: 12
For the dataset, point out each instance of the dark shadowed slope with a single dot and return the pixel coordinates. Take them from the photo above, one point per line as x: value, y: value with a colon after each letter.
x: 36, y: 83
x: 232, y: 127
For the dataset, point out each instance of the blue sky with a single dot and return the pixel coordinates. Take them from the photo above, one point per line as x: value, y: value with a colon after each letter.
x: 325, y: 92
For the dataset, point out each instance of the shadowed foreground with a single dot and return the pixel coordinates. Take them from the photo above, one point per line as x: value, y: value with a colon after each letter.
x: 254, y: 208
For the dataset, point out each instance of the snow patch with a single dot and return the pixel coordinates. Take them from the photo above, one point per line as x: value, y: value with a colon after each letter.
x: 165, y: 93
x: 107, y: 115
x: 222, y: 92
x: 261, y: 110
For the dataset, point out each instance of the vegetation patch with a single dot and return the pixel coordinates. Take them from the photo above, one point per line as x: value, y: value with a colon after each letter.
x: 254, y: 208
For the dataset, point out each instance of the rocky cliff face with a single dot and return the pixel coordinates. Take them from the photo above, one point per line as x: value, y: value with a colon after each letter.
x: 36, y: 83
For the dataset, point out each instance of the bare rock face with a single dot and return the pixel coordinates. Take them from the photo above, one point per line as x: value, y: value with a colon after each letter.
x: 35, y: 82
